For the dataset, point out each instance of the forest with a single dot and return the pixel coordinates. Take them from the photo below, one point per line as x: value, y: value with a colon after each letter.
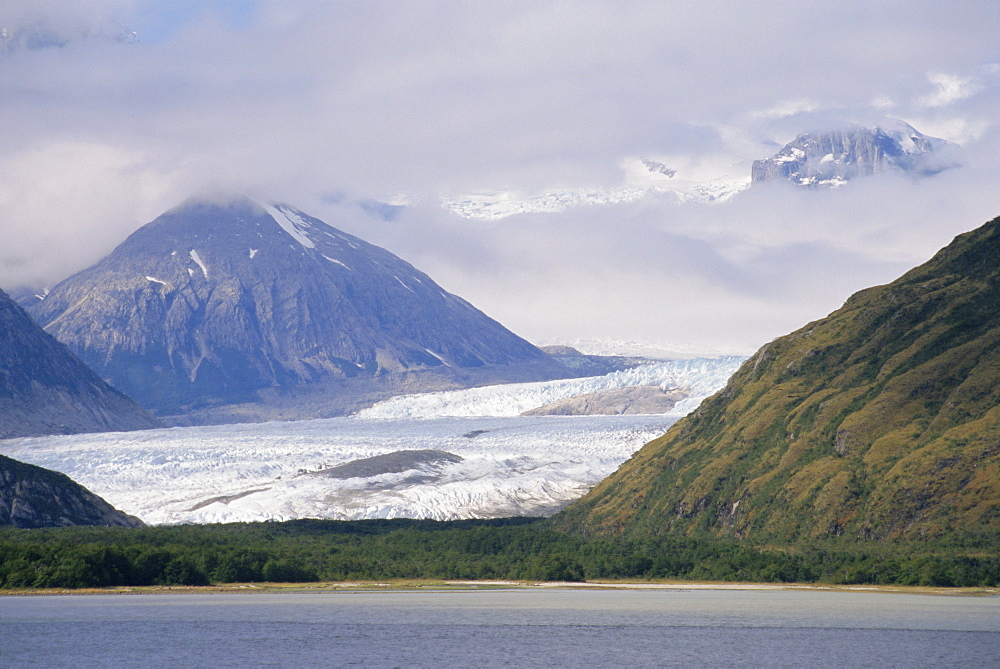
x: 519, y: 549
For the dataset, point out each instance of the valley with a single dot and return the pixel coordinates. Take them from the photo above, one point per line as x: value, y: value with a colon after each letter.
x: 503, y: 464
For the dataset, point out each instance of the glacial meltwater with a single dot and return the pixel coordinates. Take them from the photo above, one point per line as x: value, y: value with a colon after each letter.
x: 533, y: 627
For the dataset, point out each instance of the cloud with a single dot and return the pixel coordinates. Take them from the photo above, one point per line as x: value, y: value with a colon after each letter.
x: 949, y: 89
x: 786, y: 108
x: 299, y: 100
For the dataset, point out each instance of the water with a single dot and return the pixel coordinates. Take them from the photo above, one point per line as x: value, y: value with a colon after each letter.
x: 512, y: 628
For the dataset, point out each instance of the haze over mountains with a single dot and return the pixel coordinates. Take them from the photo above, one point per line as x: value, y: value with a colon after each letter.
x: 880, y: 421
x: 834, y: 157
x: 825, y: 158
x: 211, y: 303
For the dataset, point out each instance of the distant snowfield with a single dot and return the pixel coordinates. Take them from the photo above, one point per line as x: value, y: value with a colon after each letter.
x: 510, y: 465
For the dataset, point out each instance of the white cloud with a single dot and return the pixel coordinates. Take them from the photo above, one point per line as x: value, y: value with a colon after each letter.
x: 298, y: 100
x: 949, y: 89
x: 786, y: 108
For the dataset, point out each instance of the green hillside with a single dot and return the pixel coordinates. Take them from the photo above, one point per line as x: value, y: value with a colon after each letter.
x: 880, y: 421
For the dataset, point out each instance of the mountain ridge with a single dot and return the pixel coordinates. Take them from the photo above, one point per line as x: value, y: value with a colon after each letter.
x: 831, y: 158
x: 212, y: 304
x: 45, y: 389
x: 878, y: 422
x: 32, y: 496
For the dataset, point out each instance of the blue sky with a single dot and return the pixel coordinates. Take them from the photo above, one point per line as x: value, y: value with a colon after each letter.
x: 328, y: 104
x: 157, y: 22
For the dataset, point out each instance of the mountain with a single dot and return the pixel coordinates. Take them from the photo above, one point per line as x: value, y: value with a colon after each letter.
x: 242, y: 304
x: 33, y: 496
x: 614, y: 402
x: 834, y: 157
x: 45, y: 389
x: 880, y: 421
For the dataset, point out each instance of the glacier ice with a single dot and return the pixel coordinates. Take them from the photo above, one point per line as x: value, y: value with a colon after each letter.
x: 507, y: 464
x: 699, y: 376
x: 249, y: 472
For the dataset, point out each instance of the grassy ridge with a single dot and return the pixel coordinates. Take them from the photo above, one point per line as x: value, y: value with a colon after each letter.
x: 511, y: 549
x: 881, y: 421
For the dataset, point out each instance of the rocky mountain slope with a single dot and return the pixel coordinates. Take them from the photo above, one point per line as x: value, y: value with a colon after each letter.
x: 614, y: 402
x: 213, y: 304
x: 834, y: 157
x: 45, y: 389
x: 880, y: 421
x: 33, y: 496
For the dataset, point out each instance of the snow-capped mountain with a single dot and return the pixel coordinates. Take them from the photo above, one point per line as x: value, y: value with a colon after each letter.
x: 45, y: 389
x: 823, y: 158
x: 834, y: 157
x: 210, y: 303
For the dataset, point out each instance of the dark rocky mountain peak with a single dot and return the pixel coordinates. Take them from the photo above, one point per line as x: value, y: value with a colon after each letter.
x: 32, y: 496
x: 211, y: 303
x: 833, y: 157
x: 45, y: 389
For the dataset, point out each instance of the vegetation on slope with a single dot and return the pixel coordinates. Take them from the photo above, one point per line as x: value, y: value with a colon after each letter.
x: 881, y: 421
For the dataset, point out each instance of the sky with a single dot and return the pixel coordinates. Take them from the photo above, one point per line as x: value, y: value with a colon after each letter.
x: 329, y: 105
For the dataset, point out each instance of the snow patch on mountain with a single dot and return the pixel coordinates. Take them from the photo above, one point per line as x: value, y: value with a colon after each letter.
x: 197, y: 259
x: 291, y: 223
x: 334, y: 260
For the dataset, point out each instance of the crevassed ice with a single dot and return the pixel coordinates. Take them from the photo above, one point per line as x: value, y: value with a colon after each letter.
x: 701, y: 377
x: 231, y: 473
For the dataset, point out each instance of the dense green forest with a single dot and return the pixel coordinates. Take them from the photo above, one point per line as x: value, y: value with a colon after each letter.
x: 510, y: 549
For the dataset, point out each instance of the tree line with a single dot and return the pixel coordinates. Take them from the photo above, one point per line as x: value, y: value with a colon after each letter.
x: 520, y: 549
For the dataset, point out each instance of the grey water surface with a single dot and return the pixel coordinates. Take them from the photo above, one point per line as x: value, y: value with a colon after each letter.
x: 503, y: 628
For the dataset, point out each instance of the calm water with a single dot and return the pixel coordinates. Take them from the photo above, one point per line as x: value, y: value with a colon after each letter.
x: 513, y: 628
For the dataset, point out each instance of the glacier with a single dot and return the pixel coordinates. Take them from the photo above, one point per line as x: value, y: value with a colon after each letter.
x: 700, y: 377
x: 250, y: 472
x: 504, y: 465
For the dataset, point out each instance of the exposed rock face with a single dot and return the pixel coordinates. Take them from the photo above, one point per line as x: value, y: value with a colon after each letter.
x: 880, y: 421
x: 389, y: 463
x: 832, y: 158
x: 33, y: 496
x: 45, y: 389
x: 593, y: 365
x: 209, y: 304
x: 614, y: 402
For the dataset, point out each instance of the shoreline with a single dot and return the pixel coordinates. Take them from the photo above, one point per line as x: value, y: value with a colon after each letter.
x: 403, y: 585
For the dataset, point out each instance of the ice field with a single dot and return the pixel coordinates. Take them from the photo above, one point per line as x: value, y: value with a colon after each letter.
x: 449, y: 455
